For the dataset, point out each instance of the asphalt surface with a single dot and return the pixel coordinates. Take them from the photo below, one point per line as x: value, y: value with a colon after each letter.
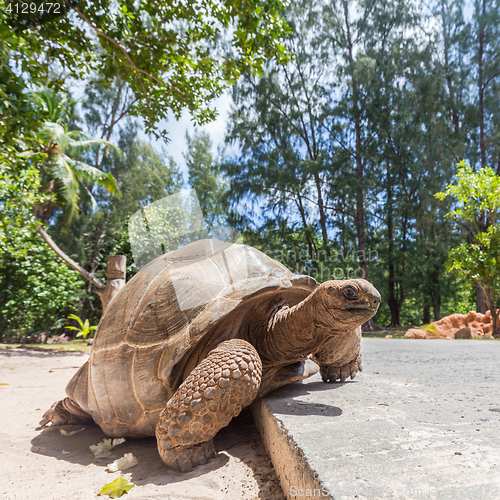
x: 422, y: 421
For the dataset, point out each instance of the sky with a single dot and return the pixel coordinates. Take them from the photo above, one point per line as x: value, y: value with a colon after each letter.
x: 176, y: 130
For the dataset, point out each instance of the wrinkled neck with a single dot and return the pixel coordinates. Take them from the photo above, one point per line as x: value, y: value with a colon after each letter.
x: 292, y: 333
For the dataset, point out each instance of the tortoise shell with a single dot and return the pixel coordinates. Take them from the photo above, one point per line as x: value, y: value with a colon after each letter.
x: 159, y: 316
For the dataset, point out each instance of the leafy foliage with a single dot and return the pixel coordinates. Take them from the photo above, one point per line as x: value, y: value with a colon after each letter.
x: 36, y: 289
x: 174, y: 55
x: 85, y: 328
x: 117, y: 488
x: 478, y: 194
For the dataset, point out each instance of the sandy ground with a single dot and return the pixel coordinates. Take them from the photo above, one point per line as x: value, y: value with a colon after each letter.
x: 48, y: 466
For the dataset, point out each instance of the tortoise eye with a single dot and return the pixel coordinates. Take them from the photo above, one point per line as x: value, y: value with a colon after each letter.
x: 350, y: 293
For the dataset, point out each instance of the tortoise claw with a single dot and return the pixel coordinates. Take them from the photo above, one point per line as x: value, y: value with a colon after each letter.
x: 331, y: 374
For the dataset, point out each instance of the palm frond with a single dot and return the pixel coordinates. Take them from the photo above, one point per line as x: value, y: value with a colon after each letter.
x: 55, y: 133
x: 88, y: 142
x: 58, y: 107
x: 67, y: 186
x: 89, y: 174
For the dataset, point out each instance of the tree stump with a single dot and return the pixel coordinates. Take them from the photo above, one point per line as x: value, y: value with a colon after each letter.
x: 115, y: 279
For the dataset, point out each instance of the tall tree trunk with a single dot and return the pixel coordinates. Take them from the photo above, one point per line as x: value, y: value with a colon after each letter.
x: 481, y: 306
x: 437, y: 308
x: 391, y: 301
x: 480, y: 86
x: 2, y: 325
x: 426, y: 311
x: 492, y: 306
x: 356, y: 112
x: 445, y: 16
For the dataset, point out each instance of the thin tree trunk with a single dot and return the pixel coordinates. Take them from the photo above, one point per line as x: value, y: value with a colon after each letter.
x: 310, y: 243
x: 115, y: 274
x: 322, y: 216
x: 71, y: 263
x: 116, y: 277
x: 85, y: 308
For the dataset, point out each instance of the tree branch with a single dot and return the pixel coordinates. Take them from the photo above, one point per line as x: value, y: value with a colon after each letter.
x: 71, y: 263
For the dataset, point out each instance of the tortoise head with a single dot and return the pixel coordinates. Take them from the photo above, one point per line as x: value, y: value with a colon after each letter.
x: 350, y: 301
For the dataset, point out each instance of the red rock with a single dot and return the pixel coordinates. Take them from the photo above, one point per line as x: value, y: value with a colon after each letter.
x: 480, y: 324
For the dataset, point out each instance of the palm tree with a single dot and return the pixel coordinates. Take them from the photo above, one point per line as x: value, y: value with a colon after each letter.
x: 60, y: 172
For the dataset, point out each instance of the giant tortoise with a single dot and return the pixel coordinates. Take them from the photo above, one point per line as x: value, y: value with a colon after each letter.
x: 201, y: 332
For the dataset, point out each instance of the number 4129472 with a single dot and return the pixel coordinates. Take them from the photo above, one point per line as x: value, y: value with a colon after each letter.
x: 31, y: 8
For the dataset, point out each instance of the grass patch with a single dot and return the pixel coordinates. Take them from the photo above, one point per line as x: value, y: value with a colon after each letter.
x: 397, y: 332
x: 76, y: 345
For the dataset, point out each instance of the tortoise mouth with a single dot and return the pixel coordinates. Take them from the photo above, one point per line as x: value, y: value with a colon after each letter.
x: 366, y: 311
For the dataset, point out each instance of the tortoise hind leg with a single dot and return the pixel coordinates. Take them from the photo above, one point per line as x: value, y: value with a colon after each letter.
x: 226, y: 381
x: 65, y: 412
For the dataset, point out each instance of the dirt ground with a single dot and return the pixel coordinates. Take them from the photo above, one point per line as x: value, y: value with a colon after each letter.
x: 49, y: 466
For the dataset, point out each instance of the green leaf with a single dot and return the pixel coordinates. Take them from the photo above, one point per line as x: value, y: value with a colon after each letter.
x: 430, y: 328
x: 76, y: 318
x: 117, y: 488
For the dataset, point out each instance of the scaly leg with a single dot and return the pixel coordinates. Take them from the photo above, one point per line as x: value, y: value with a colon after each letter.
x: 340, y: 357
x: 226, y: 381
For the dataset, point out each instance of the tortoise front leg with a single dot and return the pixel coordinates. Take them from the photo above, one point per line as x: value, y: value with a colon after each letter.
x: 340, y: 357
x: 226, y: 381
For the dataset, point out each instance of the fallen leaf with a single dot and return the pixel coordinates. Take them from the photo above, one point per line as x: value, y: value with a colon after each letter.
x: 126, y: 462
x: 117, y: 488
x: 102, y: 450
x: 70, y: 433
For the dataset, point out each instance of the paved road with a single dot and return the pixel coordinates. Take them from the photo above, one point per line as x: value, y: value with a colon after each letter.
x: 421, y: 422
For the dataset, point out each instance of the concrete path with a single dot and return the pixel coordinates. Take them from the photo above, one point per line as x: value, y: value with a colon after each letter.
x: 422, y: 421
